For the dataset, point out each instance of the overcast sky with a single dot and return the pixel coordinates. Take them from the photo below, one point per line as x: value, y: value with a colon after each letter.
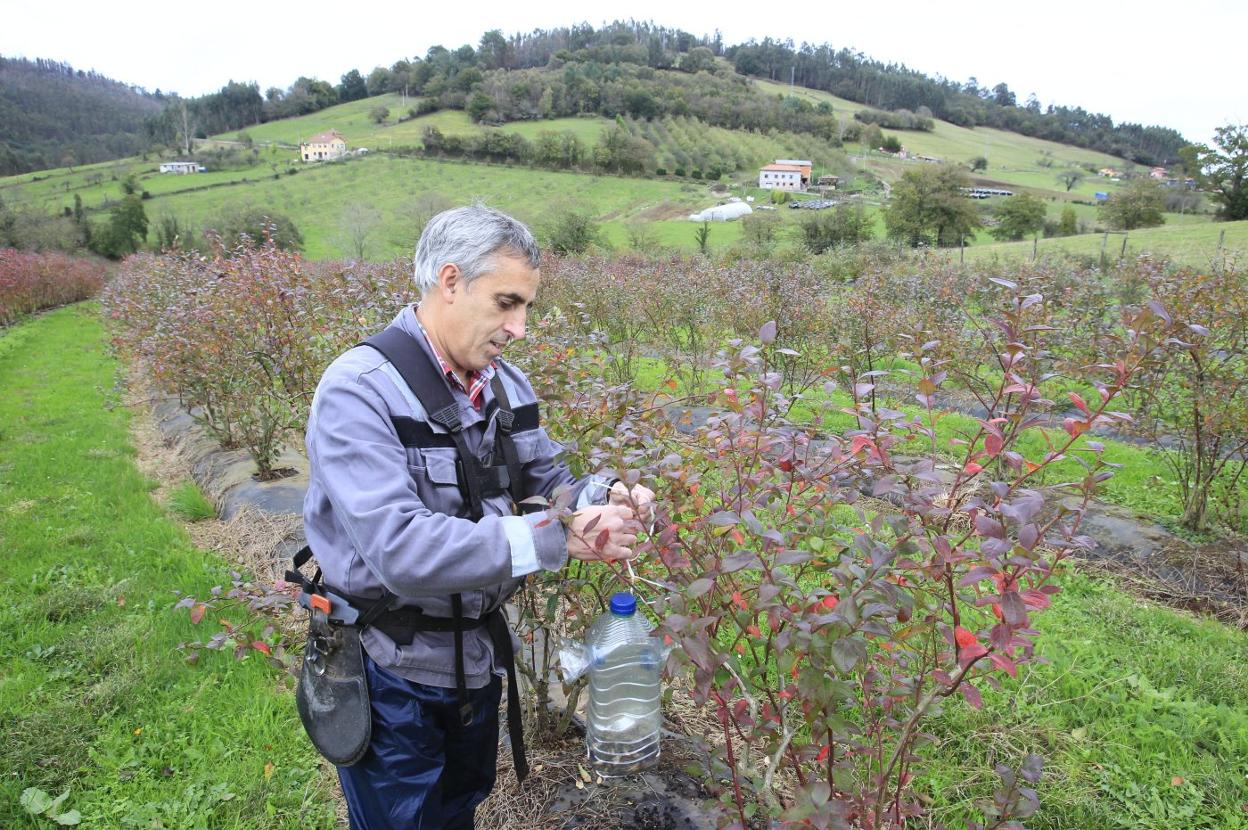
x: 1175, y: 64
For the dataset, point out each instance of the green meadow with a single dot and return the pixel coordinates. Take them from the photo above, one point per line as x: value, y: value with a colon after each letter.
x: 1184, y: 240
x: 98, y: 702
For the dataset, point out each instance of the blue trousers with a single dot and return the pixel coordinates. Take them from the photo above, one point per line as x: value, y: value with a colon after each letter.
x: 424, y: 769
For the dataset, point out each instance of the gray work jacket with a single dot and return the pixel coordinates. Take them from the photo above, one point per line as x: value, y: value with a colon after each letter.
x: 380, y: 514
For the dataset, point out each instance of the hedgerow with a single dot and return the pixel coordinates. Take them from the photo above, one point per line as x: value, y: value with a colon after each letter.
x: 31, y: 281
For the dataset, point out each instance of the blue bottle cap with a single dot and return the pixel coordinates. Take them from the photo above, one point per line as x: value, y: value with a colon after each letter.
x: 623, y: 604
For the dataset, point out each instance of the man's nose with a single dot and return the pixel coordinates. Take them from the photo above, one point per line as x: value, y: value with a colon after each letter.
x: 514, y: 325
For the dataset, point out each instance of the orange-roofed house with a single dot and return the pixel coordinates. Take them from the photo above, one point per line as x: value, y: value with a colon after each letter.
x: 323, y: 147
x: 781, y: 177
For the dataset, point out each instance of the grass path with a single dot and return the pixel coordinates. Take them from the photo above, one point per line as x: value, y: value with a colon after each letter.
x: 95, y: 697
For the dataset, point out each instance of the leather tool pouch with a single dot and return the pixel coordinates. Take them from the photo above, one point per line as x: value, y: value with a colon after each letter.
x: 332, y: 695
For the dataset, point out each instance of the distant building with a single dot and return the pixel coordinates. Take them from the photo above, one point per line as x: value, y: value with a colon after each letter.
x: 1108, y: 172
x: 782, y: 177
x: 182, y: 167
x: 1158, y: 173
x: 324, y: 147
x: 805, y: 164
x: 985, y: 192
x: 829, y: 181
x: 1101, y: 197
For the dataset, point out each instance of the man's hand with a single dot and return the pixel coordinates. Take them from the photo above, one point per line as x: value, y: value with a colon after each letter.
x: 590, y: 523
x: 639, y: 498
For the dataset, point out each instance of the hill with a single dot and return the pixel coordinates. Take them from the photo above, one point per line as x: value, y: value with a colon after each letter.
x: 52, y: 115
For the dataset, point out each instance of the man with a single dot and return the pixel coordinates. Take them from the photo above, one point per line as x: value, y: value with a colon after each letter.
x: 411, y: 501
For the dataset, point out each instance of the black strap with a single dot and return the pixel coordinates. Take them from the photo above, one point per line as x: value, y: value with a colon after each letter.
x: 461, y: 682
x: 505, y: 424
x: 500, y: 635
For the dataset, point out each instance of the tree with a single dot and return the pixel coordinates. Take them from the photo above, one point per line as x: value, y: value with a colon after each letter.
x: 979, y: 163
x: 1018, y: 216
x: 572, y: 231
x: 353, y: 87
x: 126, y: 229
x: 357, y: 225
x: 1070, y: 178
x: 759, y: 228
x: 1138, y: 205
x: 703, y: 237
x: 1068, y: 225
x: 872, y: 136
x: 1223, y: 169
x: 379, y: 114
x: 929, y: 206
x: 697, y: 59
x: 480, y: 106
x: 494, y: 52
x: 847, y: 225
x: 252, y: 226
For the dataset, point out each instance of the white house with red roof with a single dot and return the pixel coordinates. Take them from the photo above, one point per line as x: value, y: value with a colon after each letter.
x: 782, y: 177
x: 323, y: 147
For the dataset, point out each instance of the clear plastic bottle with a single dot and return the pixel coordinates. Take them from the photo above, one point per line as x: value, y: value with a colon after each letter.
x: 624, y: 715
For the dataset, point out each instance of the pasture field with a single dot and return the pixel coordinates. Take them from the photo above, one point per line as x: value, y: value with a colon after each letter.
x: 1193, y: 243
x: 399, y: 188
x: 1013, y: 159
x: 97, y: 700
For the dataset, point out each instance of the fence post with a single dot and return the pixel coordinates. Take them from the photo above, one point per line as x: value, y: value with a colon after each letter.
x: 1123, y: 253
x: 1104, y: 243
x: 1035, y: 244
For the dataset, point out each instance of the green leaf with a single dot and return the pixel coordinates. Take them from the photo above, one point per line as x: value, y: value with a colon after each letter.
x: 848, y: 652
x: 69, y: 819
x: 55, y: 806
x: 35, y: 800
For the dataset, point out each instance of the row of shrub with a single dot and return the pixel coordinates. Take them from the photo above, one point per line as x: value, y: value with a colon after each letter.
x: 818, y: 631
x: 32, y: 281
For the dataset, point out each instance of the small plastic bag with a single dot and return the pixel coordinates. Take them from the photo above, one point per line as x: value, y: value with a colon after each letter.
x: 574, y: 660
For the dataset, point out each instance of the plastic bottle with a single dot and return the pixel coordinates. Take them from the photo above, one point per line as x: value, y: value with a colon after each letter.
x: 624, y: 715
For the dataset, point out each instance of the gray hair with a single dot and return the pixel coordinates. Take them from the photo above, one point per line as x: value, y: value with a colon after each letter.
x: 469, y: 237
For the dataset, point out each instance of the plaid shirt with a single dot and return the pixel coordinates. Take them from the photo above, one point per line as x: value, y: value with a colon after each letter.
x: 477, y: 381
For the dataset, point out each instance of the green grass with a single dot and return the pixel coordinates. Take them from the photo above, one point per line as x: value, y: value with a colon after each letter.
x: 95, y: 696
x: 316, y: 197
x: 1185, y: 241
x: 189, y: 502
x: 1142, y: 714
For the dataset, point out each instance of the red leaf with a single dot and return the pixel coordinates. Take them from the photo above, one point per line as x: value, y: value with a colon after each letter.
x: 1078, y: 401
x: 197, y: 613
x: 972, y: 468
x: 993, y: 445
x: 964, y: 638
x: 261, y: 645
x: 830, y: 602
x: 1036, y: 599
x: 972, y: 695
x: 1004, y: 663
x: 823, y: 753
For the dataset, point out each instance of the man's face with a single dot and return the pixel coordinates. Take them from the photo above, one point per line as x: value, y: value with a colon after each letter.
x: 489, y: 313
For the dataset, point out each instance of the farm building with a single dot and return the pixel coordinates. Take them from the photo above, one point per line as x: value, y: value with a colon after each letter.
x: 323, y: 147
x: 805, y: 164
x: 182, y: 167
x: 782, y: 177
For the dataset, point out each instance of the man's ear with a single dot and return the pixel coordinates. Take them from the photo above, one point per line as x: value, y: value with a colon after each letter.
x: 449, y: 283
